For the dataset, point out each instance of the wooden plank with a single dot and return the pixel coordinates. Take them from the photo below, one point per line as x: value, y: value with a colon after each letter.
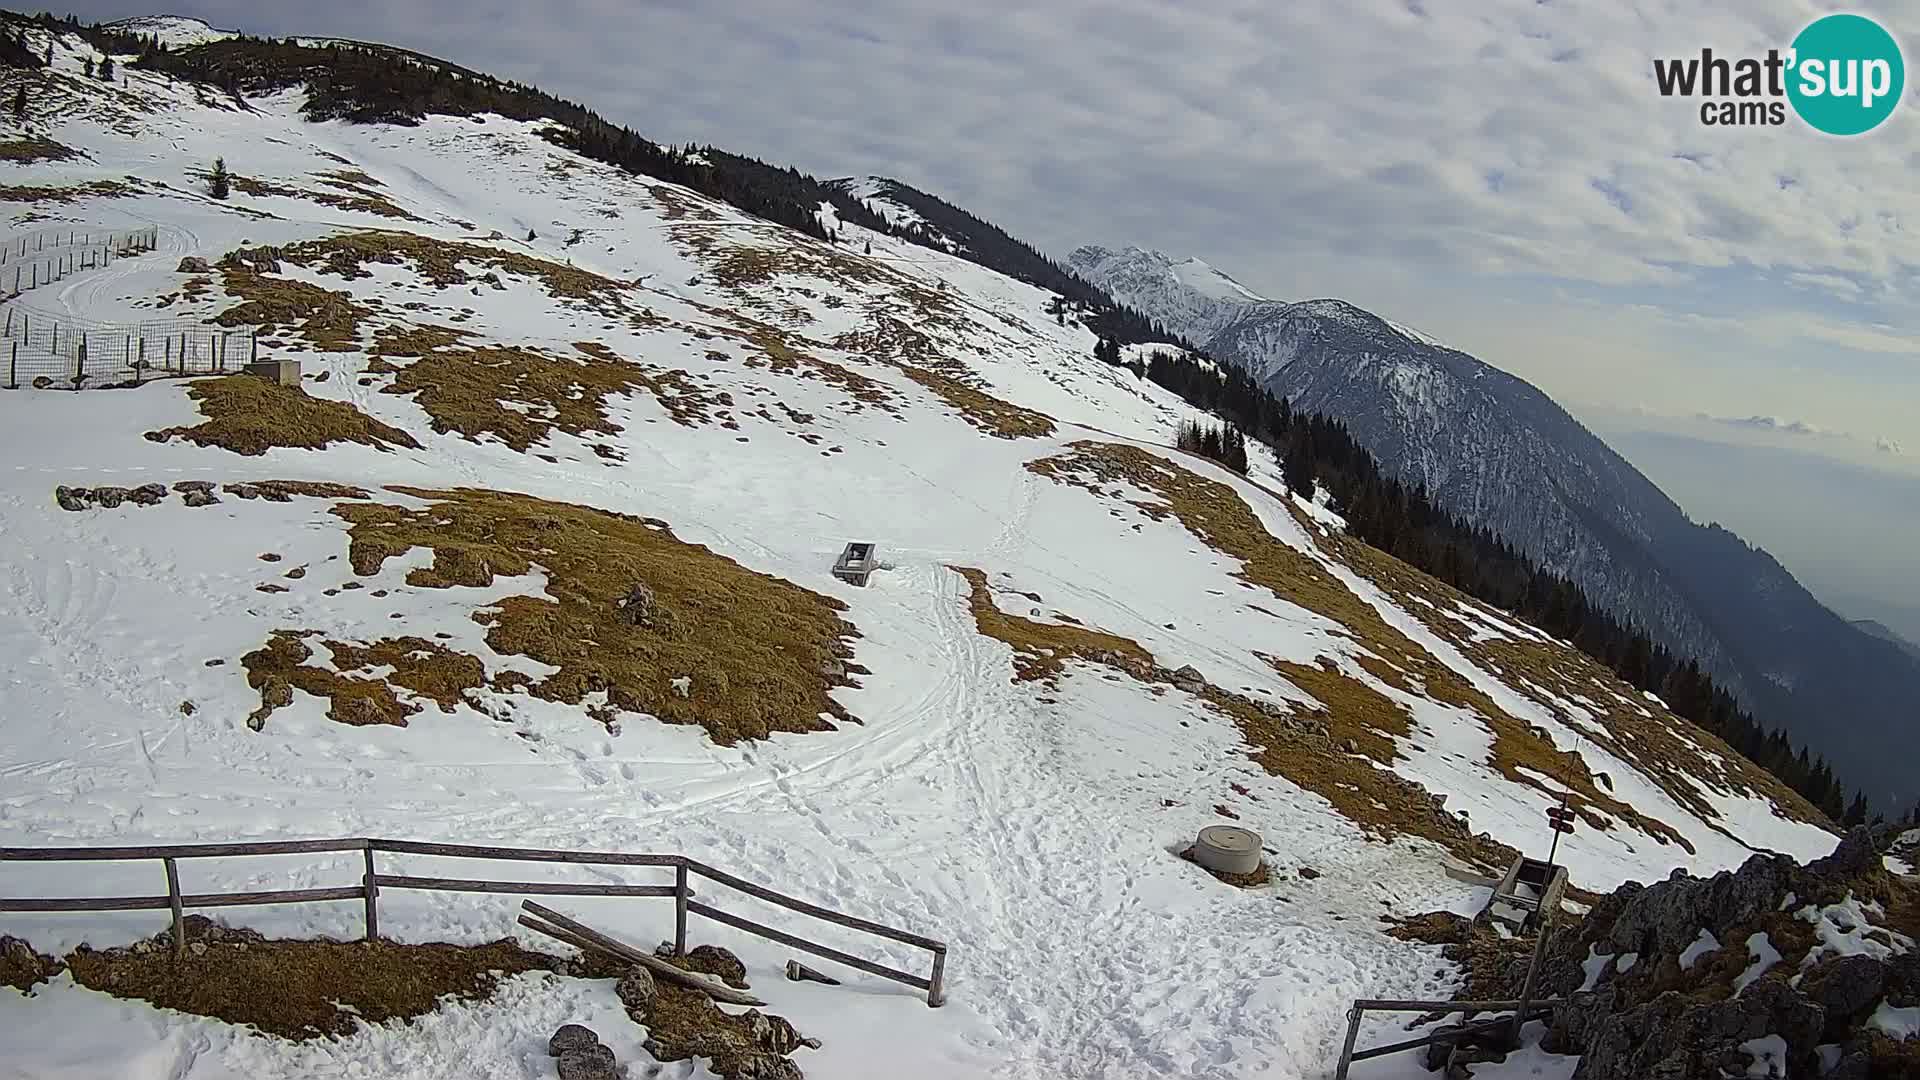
x: 714, y: 989
x: 273, y: 896
x: 537, y: 888
x: 479, y: 851
x: 370, y: 891
x: 85, y: 903
x: 784, y: 938
x: 680, y: 895
x: 177, y: 851
x: 818, y: 912
x: 937, y: 982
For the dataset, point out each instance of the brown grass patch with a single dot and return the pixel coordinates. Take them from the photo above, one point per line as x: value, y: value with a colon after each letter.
x: 249, y: 415
x: 894, y: 341
x: 684, y: 1023
x: 349, y: 176
x: 762, y: 654
x: 1373, y: 797
x: 474, y: 391
x: 445, y: 263
x: 1040, y: 650
x: 1664, y: 747
x: 677, y: 204
x: 27, y: 150
x: 1221, y: 519
x: 23, y: 968
x: 358, y: 199
x: 304, y: 989
x: 330, y: 321
x: 427, y: 668
x: 97, y: 189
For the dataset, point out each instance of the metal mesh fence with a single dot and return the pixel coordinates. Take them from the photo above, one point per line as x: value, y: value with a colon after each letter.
x: 46, y: 350
x: 35, y: 259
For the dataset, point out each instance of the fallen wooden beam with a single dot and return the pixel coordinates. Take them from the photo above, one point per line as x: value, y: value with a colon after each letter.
x: 581, y: 936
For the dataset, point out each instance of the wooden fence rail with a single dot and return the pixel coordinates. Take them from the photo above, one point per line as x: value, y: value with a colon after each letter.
x: 372, y: 881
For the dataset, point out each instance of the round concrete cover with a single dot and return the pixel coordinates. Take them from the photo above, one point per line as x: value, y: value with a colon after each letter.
x: 1228, y: 849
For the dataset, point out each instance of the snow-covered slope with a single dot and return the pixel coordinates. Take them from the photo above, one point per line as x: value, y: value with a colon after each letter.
x: 995, y: 746
x: 1481, y: 440
x: 174, y: 31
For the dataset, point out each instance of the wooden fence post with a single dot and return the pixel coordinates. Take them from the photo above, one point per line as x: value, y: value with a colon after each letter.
x: 373, y: 893
x: 680, y: 909
x: 179, y: 920
x: 13, y: 368
x: 936, y: 983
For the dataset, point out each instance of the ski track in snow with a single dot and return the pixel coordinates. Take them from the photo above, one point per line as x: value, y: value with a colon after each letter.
x: 1031, y: 827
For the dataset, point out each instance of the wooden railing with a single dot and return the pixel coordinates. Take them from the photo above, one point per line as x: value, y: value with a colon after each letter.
x: 372, y: 882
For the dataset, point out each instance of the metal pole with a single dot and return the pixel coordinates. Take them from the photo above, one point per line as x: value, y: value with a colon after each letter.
x: 173, y: 901
x: 680, y: 910
x: 13, y: 368
x: 1346, y: 1052
x: 373, y: 893
x: 1533, y: 967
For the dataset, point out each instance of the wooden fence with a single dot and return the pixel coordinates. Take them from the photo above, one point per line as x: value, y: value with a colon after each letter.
x: 372, y: 881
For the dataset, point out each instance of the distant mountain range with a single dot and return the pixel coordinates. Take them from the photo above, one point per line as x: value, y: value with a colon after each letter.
x: 1500, y: 453
x: 1882, y: 630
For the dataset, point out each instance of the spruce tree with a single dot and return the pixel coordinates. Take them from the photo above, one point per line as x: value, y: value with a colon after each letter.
x: 219, y: 183
x: 106, y: 69
x: 89, y: 67
x: 20, y: 104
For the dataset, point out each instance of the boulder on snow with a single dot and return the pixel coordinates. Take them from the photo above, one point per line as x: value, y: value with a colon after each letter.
x: 148, y: 494
x: 199, y: 498
x: 593, y: 1063
x: 637, y: 990
x: 719, y: 962
x: 110, y: 497
x: 1189, y: 679
x: 193, y: 264
x: 571, y: 1037
x: 72, y: 498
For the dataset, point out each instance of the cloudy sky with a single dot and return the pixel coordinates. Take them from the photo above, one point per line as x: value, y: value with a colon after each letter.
x: 1734, y: 307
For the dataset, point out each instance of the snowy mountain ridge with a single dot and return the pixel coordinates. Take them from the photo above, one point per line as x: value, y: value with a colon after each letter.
x: 539, y: 553
x: 1481, y: 441
x: 174, y: 31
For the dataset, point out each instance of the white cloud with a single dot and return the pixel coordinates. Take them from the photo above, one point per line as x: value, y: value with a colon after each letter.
x: 1770, y: 423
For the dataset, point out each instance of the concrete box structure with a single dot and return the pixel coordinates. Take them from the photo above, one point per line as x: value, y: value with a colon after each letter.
x: 857, y: 563
x: 284, y: 372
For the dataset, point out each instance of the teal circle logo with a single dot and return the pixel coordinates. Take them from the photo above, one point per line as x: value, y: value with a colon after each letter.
x: 1847, y: 75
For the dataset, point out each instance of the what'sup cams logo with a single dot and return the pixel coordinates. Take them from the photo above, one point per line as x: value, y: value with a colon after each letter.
x: 1843, y: 75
